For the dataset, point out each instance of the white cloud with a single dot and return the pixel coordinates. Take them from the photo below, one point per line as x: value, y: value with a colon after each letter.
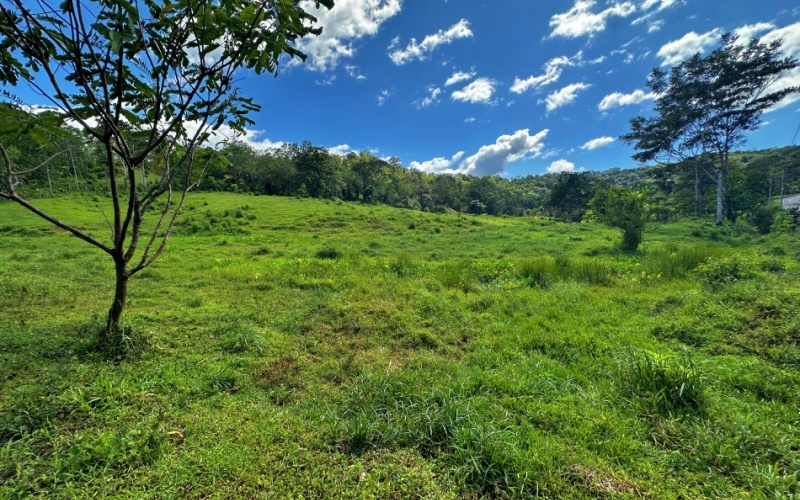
x: 598, y: 143
x: 470, y: 119
x: 346, y: 23
x: 619, y: 99
x: 383, y: 95
x: 490, y: 159
x: 655, y: 26
x: 493, y: 158
x: 227, y: 134
x: 691, y: 43
x: 459, y: 76
x: 340, y: 150
x: 564, y: 96
x: 662, y: 4
x: 479, y: 91
x: 438, y: 165
x: 353, y: 72
x: 791, y: 79
x: 431, y: 98
x: 560, y: 166
x: 581, y: 21
x: 420, y: 50
x: 552, y: 72
x: 745, y: 33
x: 326, y: 81
x: 789, y: 35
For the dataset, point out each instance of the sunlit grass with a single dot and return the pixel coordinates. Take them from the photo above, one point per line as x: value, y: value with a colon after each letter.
x: 308, y: 348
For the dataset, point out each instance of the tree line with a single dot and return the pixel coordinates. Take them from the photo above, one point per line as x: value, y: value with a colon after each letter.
x: 754, y: 181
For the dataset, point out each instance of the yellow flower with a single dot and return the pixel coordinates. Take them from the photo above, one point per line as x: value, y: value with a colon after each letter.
x: 299, y: 261
x: 643, y: 274
x: 659, y: 276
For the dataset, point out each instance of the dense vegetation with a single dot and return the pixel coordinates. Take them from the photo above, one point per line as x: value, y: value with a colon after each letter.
x: 288, y: 347
x: 755, y: 181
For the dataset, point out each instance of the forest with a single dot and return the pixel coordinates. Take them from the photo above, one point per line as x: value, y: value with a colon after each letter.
x: 757, y: 180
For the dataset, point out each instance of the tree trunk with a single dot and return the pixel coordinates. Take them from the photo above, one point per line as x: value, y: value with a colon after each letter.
x: 720, y: 189
x: 120, y: 297
x: 697, y: 202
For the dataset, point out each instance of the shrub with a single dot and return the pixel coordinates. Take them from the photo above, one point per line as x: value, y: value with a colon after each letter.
x: 329, y: 253
x: 717, y: 272
x: 623, y: 209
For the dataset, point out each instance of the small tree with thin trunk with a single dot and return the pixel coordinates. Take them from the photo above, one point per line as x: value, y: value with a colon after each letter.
x: 706, y: 105
x: 624, y: 209
x: 149, y: 81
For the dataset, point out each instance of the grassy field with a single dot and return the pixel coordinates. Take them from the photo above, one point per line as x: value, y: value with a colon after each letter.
x: 299, y: 348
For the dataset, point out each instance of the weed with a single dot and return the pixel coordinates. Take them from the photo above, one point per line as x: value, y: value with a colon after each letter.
x: 667, y: 384
x: 330, y: 253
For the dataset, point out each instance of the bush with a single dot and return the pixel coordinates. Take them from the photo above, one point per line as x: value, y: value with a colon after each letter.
x: 717, y: 272
x: 329, y: 253
x: 623, y: 209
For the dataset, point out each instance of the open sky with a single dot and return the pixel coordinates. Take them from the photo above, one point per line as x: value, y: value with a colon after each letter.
x: 501, y: 87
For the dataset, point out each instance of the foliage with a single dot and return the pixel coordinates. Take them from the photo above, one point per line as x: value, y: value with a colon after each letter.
x: 706, y: 105
x: 623, y: 209
x: 717, y: 272
x: 569, y: 197
x: 148, y: 84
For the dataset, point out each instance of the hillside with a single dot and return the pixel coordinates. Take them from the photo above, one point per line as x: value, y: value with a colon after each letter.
x: 287, y: 347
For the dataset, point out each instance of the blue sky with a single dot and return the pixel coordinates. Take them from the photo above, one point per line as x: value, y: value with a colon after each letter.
x: 501, y: 87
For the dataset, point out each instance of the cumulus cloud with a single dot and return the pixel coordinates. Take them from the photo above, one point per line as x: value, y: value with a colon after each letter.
x: 749, y: 31
x: 790, y: 35
x: 225, y: 133
x: 479, y: 91
x: 598, y: 143
x: 564, y: 96
x: 343, y: 25
x: 430, y: 99
x: 560, y: 166
x: 688, y: 45
x: 581, y: 21
x: 617, y: 99
x: 340, y: 150
x: 428, y: 44
x: 459, y: 76
x: 552, y: 72
x: 493, y: 158
x: 438, y: 165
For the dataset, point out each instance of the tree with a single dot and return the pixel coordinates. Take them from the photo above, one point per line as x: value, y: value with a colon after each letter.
x: 149, y: 81
x: 569, y: 197
x: 624, y: 209
x: 706, y: 105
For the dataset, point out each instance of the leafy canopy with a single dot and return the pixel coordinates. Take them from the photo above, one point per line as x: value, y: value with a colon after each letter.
x: 708, y: 103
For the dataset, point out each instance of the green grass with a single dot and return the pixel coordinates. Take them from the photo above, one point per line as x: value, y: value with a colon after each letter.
x: 294, y: 347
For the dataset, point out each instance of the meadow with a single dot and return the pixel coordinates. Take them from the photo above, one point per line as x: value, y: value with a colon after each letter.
x: 286, y: 348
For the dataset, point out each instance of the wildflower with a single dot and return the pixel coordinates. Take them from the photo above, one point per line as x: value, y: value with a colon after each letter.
x: 659, y: 276
x: 299, y: 261
x: 643, y: 274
